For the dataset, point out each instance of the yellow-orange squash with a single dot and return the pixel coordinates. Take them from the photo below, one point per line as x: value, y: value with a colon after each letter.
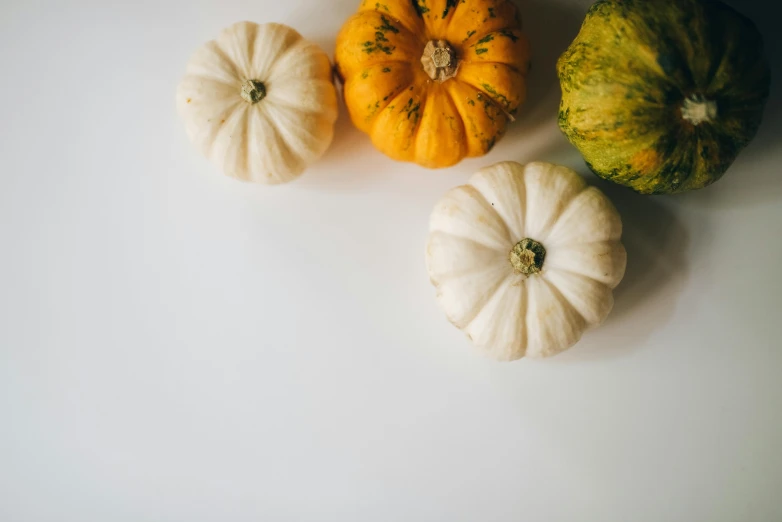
x: 433, y: 81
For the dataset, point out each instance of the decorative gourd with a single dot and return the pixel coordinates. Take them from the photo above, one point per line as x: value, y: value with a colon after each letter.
x: 259, y: 101
x: 433, y: 81
x: 661, y: 96
x: 525, y: 258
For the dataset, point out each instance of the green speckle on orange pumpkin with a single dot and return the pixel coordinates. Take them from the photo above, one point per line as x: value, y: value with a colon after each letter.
x: 420, y: 7
x: 485, y: 39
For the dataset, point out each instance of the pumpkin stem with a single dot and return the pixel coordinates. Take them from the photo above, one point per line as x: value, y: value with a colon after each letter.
x: 527, y: 257
x: 253, y: 91
x: 439, y: 60
x: 697, y: 109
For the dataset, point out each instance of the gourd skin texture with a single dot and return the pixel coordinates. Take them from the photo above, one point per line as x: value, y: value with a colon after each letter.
x: 259, y: 101
x: 412, y: 117
x: 477, y: 236
x: 661, y: 96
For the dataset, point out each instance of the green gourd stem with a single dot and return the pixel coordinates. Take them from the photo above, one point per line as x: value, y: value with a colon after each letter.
x: 439, y: 60
x: 253, y: 91
x: 697, y: 109
x: 527, y: 257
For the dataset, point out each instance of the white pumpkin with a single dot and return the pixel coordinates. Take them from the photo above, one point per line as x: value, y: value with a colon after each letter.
x: 259, y: 101
x: 525, y: 258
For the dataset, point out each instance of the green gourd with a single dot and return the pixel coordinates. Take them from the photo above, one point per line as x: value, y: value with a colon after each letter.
x: 662, y: 95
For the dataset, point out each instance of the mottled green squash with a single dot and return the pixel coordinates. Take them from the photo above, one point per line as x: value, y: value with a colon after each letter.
x: 662, y: 95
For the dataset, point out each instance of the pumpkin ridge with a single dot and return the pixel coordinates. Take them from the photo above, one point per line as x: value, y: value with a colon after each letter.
x: 610, y: 245
x: 382, y: 7
x: 524, y: 306
x: 451, y: 6
x: 351, y: 74
x: 566, y: 210
x: 210, y: 137
x: 759, y: 65
x: 531, y: 178
x: 251, y: 35
x: 505, y: 12
x: 566, y: 308
x: 284, y: 120
x: 489, y: 97
x: 521, y: 194
x: 365, y: 117
x: 402, y: 27
x: 439, y: 231
x: 356, y: 75
x: 289, y: 39
x: 385, y: 63
x: 562, y: 298
x: 193, y: 84
x: 292, y: 136
x: 524, y: 199
x: 508, y: 65
x: 446, y: 218
x: 509, y: 226
x: 613, y: 228
x: 678, y: 171
x: 444, y: 278
x: 464, y: 145
x: 514, y: 25
x: 404, y: 90
x: 233, y: 48
x: 382, y: 41
x: 523, y: 204
x: 419, y: 119
x: 221, y: 54
x: 571, y: 297
x: 302, y: 47
x: 502, y: 307
x: 204, y: 77
x: 559, y: 269
x: 507, y: 32
x: 237, y: 151
x: 243, y: 151
x: 466, y: 117
x: 527, y: 323
x: 481, y: 303
x: 283, y: 147
x: 332, y: 115
x: 484, y: 202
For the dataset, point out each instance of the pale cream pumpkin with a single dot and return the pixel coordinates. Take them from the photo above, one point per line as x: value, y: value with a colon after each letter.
x: 259, y: 101
x: 525, y: 258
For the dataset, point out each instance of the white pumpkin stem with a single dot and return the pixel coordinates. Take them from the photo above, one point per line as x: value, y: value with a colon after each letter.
x: 697, y: 109
x: 527, y: 257
x: 439, y: 60
x: 253, y: 91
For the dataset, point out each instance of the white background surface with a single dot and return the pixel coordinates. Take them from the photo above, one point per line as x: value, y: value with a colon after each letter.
x: 178, y: 346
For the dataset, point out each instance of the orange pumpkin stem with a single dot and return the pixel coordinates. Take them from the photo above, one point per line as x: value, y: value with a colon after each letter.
x: 439, y: 60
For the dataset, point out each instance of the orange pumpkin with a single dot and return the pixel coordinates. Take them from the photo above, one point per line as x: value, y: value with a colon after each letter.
x: 433, y: 81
